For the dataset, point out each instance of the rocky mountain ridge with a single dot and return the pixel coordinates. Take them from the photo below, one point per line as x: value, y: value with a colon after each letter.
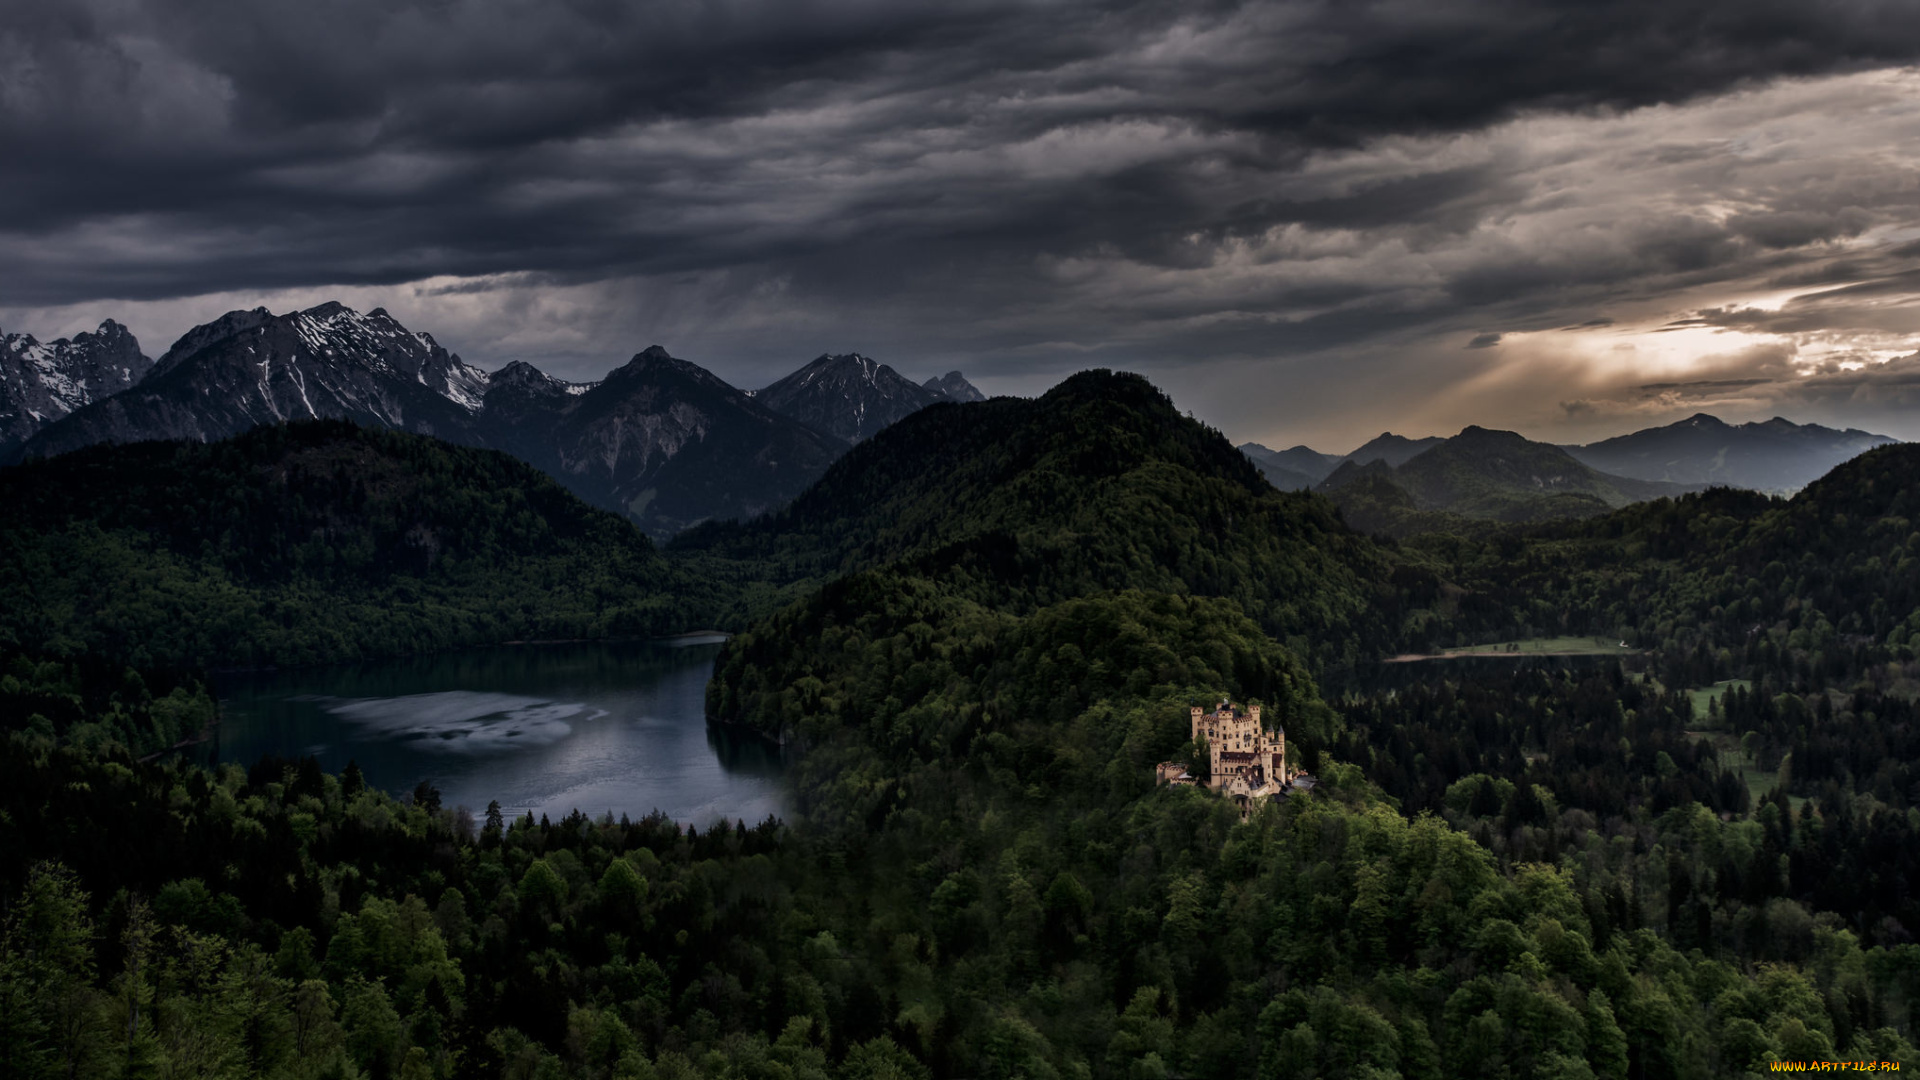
x: 847, y: 395
x: 43, y: 382
x: 662, y: 440
x: 251, y: 368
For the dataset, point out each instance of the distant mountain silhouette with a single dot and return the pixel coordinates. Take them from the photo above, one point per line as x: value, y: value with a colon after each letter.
x: 1775, y: 455
x: 954, y: 387
x: 1392, y: 449
x: 1293, y: 469
x: 1481, y: 474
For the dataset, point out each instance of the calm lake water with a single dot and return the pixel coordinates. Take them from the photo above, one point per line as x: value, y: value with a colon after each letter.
x: 542, y: 728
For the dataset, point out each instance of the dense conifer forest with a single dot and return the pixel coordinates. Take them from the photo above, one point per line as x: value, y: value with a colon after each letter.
x: 976, y: 637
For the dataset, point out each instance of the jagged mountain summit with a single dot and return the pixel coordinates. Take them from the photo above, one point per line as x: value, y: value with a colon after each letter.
x: 954, y: 387
x: 662, y: 440
x: 42, y: 382
x: 1776, y: 455
x: 849, y: 396
x: 521, y: 407
x: 253, y: 367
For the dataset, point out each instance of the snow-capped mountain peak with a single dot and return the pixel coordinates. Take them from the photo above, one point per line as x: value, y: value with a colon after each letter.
x: 41, y: 382
x: 254, y: 367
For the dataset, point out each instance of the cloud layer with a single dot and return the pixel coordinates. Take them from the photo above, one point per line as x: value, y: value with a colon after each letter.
x: 1322, y: 204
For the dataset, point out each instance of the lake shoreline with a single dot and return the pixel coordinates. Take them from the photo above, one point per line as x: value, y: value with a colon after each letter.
x: 596, y: 726
x: 682, y: 637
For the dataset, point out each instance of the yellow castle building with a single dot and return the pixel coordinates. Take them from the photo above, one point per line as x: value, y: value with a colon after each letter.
x: 1246, y: 762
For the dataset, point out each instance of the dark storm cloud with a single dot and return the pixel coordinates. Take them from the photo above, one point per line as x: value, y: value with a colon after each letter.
x: 1290, y: 214
x: 164, y: 149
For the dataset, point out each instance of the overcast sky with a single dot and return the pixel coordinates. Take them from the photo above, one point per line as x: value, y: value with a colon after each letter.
x: 1308, y: 222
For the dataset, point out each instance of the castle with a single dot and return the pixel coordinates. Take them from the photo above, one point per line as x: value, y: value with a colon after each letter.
x: 1245, y: 761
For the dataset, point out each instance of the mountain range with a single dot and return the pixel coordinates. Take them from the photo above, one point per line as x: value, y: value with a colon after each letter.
x: 661, y: 440
x: 1776, y: 456
x: 1481, y: 474
x: 249, y: 368
x: 669, y: 445
x: 1019, y: 605
x: 1296, y: 468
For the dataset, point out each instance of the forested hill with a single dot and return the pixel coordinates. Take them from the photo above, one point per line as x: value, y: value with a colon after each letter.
x: 312, y: 542
x: 976, y: 737
x: 1099, y: 485
x: 1823, y: 584
x: 952, y: 471
x: 981, y: 878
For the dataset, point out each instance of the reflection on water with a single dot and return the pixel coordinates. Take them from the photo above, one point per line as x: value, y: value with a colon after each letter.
x: 599, y: 727
x: 461, y: 721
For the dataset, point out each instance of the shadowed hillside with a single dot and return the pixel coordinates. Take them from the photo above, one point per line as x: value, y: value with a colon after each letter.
x: 1099, y: 485
x: 310, y: 542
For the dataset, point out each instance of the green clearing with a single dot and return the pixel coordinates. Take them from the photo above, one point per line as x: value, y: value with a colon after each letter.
x: 1555, y: 646
x: 1759, y: 781
x: 1705, y: 694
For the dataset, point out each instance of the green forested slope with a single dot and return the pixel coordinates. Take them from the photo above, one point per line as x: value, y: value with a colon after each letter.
x: 313, y: 542
x: 942, y: 732
x: 980, y: 878
x: 1099, y: 485
x: 1822, y: 587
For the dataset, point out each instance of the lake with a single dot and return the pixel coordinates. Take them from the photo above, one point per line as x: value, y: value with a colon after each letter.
x: 602, y: 727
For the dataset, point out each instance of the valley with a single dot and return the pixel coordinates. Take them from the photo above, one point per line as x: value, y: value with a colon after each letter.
x: 1650, y: 816
x: 740, y: 540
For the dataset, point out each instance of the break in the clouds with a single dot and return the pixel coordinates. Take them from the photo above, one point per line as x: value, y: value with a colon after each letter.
x: 1307, y: 220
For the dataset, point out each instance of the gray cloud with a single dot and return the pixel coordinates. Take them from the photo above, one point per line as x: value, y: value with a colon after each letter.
x: 1013, y: 187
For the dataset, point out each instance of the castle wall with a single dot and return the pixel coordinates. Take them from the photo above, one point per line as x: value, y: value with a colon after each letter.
x: 1237, y: 744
